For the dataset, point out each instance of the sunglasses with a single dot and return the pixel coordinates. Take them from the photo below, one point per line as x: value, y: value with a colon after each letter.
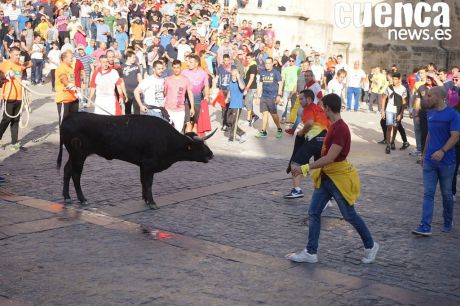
x: 292, y: 61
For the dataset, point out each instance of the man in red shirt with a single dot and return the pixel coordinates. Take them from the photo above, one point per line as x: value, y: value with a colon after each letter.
x: 335, y: 177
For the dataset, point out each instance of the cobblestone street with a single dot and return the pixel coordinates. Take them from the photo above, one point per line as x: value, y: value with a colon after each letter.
x: 222, y: 230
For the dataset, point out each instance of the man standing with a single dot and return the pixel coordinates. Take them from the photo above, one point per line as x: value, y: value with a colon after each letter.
x: 132, y: 78
x: 269, y: 92
x: 200, y: 87
x: 438, y: 159
x: 152, y: 87
x: 377, y: 87
x: 103, y: 84
x: 250, y: 90
x: 355, y: 81
x: 66, y: 90
x: 177, y: 87
x: 337, y: 86
x: 393, y: 103
x: 87, y: 62
x: 224, y: 74
x: 335, y: 177
x: 12, y: 93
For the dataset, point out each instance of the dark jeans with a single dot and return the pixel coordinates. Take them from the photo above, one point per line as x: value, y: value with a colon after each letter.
x: 131, y: 106
x: 12, y: 108
x: 319, y: 200
x: 65, y: 108
x: 305, y: 149
x: 37, y: 70
x: 232, y: 121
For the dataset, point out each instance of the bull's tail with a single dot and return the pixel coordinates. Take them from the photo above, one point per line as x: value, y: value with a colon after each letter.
x: 59, y: 159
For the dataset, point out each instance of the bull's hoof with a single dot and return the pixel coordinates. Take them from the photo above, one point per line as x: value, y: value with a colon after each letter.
x: 84, y: 202
x: 153, y: 205
x: 68, y: 201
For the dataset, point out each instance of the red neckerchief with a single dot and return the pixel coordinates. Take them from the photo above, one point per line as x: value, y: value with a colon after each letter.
x: 309, y: 84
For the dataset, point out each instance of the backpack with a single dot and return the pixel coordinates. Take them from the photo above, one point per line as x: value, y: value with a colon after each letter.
x: 453, y: 96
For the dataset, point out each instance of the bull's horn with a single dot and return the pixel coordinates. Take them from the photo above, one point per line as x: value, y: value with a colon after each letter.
x: 205, y: 137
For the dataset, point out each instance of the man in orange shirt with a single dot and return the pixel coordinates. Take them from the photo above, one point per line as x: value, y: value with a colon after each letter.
x: 66, y: 91
x: 11, y: 91
x: 309, y: 140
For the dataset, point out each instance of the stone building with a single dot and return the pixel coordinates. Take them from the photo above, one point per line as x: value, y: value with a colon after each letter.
x: 312, y: 24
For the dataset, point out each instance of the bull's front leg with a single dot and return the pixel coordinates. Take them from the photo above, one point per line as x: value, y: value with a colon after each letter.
x: 147, y: 175
x: 67, y: 174
x: 144, y: 197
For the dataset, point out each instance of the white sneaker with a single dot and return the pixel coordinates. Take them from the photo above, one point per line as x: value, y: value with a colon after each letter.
x: 302, y: 256
x: 243, y: 138
x: 369, y: 254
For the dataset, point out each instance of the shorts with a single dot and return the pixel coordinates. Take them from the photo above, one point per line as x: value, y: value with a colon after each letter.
x: 390, y: 119
x: 197, y: 102
x: 310, y: 148
x: 268, y: 105
x: 249, y: 99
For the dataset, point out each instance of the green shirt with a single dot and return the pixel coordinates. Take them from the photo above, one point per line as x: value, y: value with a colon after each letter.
x: 290, y: 75
x: 110, y: 20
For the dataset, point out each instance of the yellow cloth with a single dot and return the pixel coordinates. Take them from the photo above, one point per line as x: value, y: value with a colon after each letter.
x: 344, y: 176
x: 294, y: 110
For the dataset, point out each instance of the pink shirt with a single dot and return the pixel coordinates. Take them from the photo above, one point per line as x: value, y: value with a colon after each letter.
x: 61, y: 23
x: 80, y: 39
x: 176, y: 89
x: 198, y: 78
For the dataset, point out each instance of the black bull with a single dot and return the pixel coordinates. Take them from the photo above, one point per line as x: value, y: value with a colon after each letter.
x: 149, y: 142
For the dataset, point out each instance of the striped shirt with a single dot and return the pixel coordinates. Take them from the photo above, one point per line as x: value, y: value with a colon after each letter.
x: 86, y: 60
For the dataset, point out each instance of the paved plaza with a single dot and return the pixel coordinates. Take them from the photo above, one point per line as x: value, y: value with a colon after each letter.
x: 222, y: 230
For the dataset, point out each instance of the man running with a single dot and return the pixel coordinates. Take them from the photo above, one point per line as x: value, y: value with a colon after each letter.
x: 309, y: 140
x: 334, y: 177
x: 269, y: 91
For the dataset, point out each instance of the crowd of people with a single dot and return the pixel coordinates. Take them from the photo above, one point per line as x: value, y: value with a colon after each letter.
x: 173, y: 58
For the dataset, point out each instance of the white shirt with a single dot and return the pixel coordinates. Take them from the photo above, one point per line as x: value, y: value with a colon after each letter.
x: 153, y: 90
x: 54, y: 58
x: 105, y: 83
x: 181, y: 49
x: 335, y: 87
x: 37, y: 55
x: 354, y: 77
x: 85, y: 9
x: 316, y: 88
x: 318, y: 72
x: 399, y: 90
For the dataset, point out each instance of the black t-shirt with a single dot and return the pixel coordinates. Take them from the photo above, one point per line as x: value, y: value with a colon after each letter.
x: 181, y: 32
x: 252, y: 70
x: 75, y: 9
x: 130, y: 76
x: 9, y: 40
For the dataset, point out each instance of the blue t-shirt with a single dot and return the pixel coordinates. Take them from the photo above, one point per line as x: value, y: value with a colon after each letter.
x: 224, y: 76
x: 22, y: 22
x: 121, y: 38
x: 270, y: 84
x: 236, y: 94
x: 165, y: 40
x: 440, y: 124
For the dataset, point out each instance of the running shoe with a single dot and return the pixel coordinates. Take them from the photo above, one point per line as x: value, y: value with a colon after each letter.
x: 262, y: 134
